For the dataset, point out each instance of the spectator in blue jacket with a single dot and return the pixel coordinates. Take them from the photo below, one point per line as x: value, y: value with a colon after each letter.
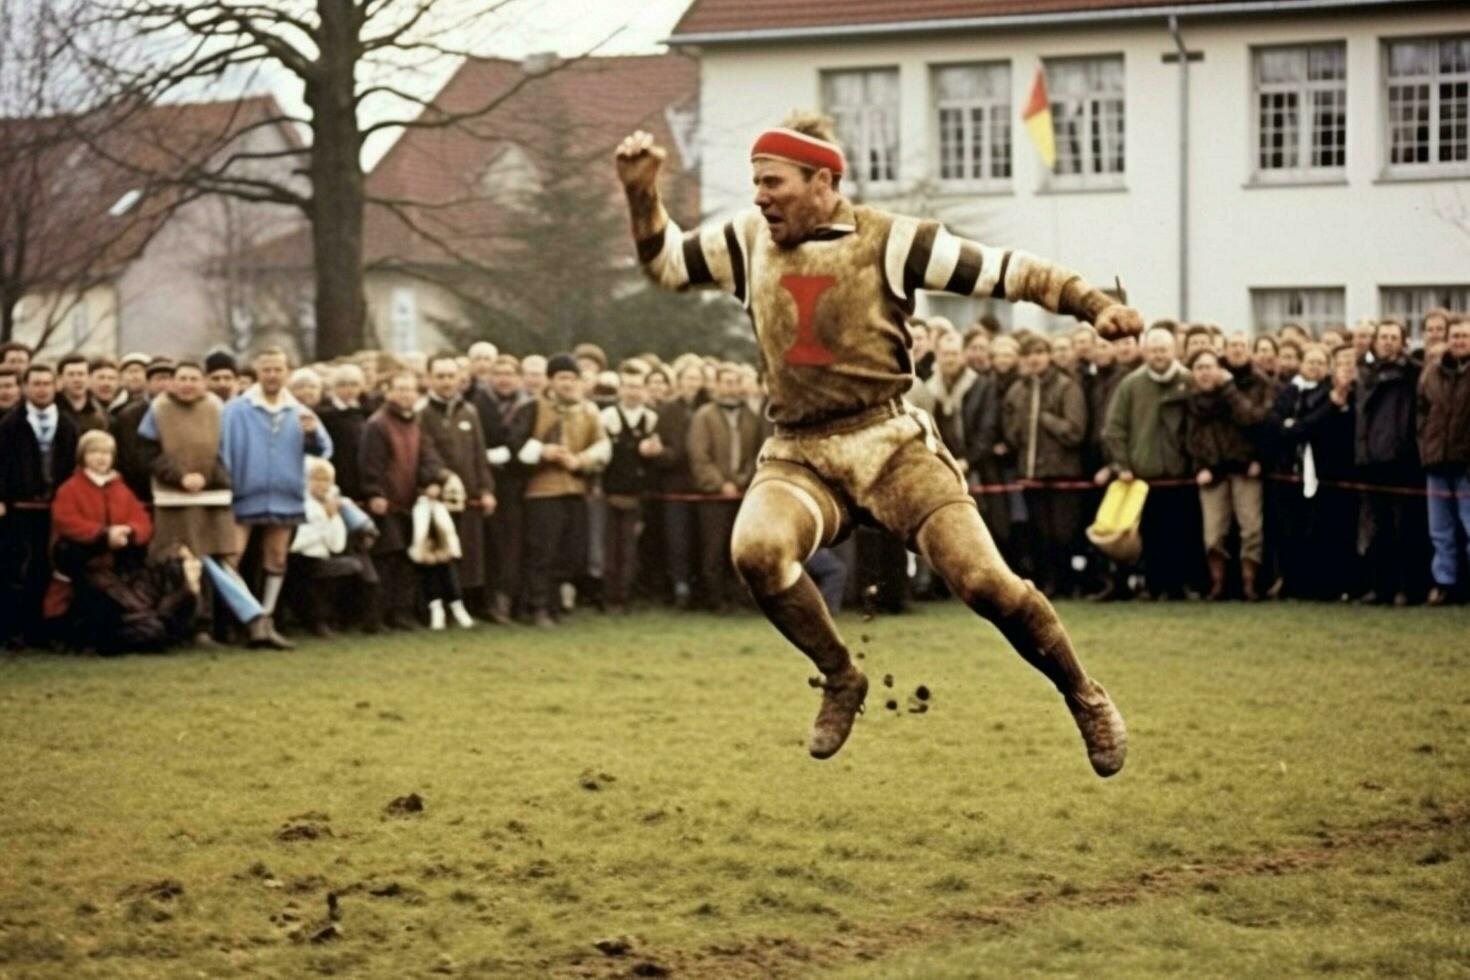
x: 265, y: 436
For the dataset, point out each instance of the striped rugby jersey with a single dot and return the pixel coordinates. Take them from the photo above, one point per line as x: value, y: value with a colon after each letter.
x: 829, y: 315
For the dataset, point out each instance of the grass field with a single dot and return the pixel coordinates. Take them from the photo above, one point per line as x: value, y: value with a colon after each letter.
x: 1296, y: 802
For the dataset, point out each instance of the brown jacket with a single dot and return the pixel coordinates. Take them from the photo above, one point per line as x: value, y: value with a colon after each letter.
x: 1045, y: 421
x: 1444, y: 414
x: 578, y: 427
x: 712, y: 449
x: 454, y: 430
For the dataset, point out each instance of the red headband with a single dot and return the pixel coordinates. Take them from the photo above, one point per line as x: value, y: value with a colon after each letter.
x: 798, y: 148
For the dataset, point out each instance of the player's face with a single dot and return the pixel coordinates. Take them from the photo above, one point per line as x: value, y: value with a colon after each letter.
x: 787, y: 199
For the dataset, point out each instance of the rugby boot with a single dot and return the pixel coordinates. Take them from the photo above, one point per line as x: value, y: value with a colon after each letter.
x: 842, y: 699
x: 1102, y: 727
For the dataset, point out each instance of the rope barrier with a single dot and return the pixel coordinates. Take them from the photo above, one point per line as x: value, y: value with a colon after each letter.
x: 980, y: 490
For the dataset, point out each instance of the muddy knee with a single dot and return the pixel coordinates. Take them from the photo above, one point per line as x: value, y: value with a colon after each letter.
x: 765, y: 559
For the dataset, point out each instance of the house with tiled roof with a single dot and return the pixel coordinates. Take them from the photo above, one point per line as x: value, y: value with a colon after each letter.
x: 446, y: 203
x: 120, y: 256
x: 1246, y: 162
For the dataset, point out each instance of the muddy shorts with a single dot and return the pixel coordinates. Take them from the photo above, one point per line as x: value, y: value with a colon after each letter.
x: 888, y: 468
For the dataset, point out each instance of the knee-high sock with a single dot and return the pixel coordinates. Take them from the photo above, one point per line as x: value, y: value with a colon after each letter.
x: 1032, y: 627
x: 960, y: 548
x: 271, y: 591
x: 801, y: 616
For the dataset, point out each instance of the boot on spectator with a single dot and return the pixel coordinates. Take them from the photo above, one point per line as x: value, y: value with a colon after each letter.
x: 461, y: 615
x: 1217, y: 565
x: 1249, y: 570
x: 499, y: 612
x: 436, y: 614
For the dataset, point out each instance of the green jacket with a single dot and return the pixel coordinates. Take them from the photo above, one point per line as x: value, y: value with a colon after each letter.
x: 1145, y: 428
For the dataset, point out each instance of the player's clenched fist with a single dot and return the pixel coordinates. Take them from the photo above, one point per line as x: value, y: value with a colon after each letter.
x: 1118, y: 321
x: 639, y: 158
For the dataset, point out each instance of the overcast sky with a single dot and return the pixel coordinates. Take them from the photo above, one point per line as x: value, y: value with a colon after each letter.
x: 568, y: 27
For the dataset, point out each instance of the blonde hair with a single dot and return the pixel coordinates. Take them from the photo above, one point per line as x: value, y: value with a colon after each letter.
x: 95, y: 439
x: 315, y: 466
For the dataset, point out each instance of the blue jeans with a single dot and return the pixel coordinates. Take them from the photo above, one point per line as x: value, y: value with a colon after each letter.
x: 1446, y: 512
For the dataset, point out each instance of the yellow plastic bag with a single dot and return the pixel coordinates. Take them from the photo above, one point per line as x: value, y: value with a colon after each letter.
x: 1115, y: 530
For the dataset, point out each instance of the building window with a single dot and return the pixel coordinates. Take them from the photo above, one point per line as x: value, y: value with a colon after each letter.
x: 1314, y: 308
x: 1409, y: 303
x: 1301, y: 109
x: 403, y: 318
x: 1428, y: 103
x: 864, y: 104
x: 964, y: 311
x: 974, y: 115
x: 1087, y: 118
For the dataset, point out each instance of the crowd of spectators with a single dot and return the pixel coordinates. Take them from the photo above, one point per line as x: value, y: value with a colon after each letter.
x: 148, y: 502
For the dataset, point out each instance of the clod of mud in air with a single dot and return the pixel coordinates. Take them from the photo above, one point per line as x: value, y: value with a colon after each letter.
x: 891, y: 705
x: 405, y: 805
x: 593, y: 781
x: 887, y: 680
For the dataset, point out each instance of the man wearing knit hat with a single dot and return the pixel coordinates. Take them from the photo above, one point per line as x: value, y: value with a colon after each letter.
x: 828, y: 286
x: 563, y: 445
x: 221, y: 374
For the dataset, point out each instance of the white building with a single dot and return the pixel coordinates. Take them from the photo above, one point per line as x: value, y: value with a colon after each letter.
x: 1318, y: 169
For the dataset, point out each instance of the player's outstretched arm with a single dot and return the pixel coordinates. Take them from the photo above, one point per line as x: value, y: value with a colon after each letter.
x: 674, y: 259
x: 639, y: 159
x: 925, y: 255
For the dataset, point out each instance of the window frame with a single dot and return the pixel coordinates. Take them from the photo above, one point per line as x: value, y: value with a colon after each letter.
x: 1106, y: 180
x: 1389, y: 170
x: 1304, y: 172
x: 1313, y: 322
x: 1414, y: 320
x: 1006, y: 109
x: 863, y: 184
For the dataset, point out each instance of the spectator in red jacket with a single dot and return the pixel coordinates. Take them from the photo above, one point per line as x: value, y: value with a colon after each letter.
x: 99, y: 531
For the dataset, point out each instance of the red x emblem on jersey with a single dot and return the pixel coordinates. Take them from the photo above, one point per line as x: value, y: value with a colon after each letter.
x: 807, y: 349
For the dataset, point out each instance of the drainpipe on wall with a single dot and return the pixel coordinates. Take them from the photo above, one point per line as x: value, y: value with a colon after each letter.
x: 1183, y: 56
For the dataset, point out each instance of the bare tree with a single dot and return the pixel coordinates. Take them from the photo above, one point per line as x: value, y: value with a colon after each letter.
x: 344, y: 53
x: 66, y: 222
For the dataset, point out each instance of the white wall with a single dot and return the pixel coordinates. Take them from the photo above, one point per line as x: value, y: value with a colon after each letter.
x: 1358, y: 234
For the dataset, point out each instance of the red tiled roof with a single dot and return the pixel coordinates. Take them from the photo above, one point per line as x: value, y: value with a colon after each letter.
x: 579, y: 111
x: 729, y: 16
x: 65, y: 185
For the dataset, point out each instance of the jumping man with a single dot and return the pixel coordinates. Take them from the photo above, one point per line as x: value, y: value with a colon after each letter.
x: 828, y: 286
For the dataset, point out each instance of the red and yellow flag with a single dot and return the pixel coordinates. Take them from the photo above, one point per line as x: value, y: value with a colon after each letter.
x: 1037, y: 118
